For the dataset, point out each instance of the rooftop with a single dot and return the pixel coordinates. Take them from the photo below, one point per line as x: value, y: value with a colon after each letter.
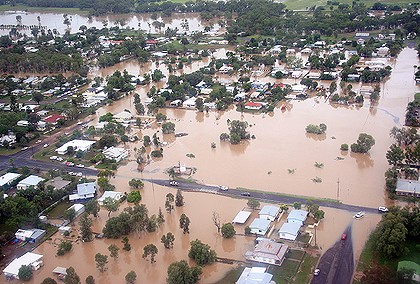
x: 31, y: 180
x: 270, y: 210
x: 6, y: 178
x: 298, y: 215
x: 241, y: 217
x: 26, y: 259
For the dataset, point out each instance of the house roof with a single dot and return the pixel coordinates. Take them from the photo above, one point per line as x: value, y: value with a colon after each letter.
x: 31, y: 180
x: 270, y: 210
x: 6, y: 178
x: 409, y: 265
x: 58, y: 183
x: 114, y: 152
x: 298, y: 215
x: 241, y: 217
x: 111, y: 194
x: 26, y: 259
x: 86, y: 188
x: 76, y: 207
x: 124, y: 115
x: 270, y: 250
x: 253, y: 104
x: 406, y: 185
x: 77, y: 144
x: 254, y: 275
x: 53, y: 118
x: 290, y: 228
x: 260, y: 224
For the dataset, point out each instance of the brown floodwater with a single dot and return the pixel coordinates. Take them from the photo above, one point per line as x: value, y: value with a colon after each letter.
x: 133, y: 21
x: 261, y: 163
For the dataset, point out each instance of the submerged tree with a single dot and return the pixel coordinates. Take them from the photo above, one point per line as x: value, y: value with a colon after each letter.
x: 150, y: 250
x: 168, y: 240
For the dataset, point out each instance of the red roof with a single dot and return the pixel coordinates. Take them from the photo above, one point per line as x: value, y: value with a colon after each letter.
x: 253, y: 104
x: 278, y: 85
x: 151, y: 41
x: 53, y: 118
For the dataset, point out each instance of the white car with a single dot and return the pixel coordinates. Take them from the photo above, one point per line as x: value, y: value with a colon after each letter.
x: 53, y: 158
x: 383, y: 209
x: 79, y: 174
x: 60, y: 159
x: 359, y: 215
x: 223, y: 188
x: 25, y: 148
x: 80, y: 166
x: 46, y: 145
x: 317, y: 271
x: 173, y: 183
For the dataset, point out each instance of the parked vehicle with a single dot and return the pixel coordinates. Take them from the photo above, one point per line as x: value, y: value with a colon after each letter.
x: 80, y: 165
x: 173, y: 183
x: 46, y: 145
x: 53, y: 158
x: 383, y: 209
x: 69, y: 164
x: 359, y: 215
x: 317, y: 271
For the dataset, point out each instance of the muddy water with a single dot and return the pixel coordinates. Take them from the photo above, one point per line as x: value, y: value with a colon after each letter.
x: 263, y: 163
x: 135, y: 21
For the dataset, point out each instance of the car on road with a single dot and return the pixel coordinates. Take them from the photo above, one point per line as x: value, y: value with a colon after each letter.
x: 246, y: 194
x: 25, y: 148
x: 79, y: 174
x: 53, y: 158
x: 46, y: 145
x: 343, y: 237
x: 383, y: 209
x: 80, y: 165
x: 317, y: 271
x: 173, y: 183
x: 223, y: 188
x: 39, y: 141
x: 69, y: 164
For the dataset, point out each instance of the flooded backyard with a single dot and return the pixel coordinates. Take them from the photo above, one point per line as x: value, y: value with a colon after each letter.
x: 263, y: 163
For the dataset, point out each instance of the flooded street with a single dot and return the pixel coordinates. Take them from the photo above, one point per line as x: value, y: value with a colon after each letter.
x: 262, y: 163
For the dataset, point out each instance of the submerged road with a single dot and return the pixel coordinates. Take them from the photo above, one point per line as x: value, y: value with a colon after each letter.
x: 260, y: 195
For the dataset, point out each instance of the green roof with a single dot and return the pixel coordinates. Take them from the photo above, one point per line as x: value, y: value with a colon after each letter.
x: 409, y: 265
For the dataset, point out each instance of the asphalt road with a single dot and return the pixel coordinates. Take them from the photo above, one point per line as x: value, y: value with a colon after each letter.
x: 191, y: 186
x: 337, y: 263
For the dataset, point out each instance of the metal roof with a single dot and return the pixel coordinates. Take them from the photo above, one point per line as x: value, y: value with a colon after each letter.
x: 241, y: 217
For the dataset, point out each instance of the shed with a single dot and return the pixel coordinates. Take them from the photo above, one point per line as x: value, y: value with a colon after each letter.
x: 78, y: 208
x: 241, y: 217
x: 32, y: 259
x: 60, y: 270
x: 64, y: 229
x: 297, y: 216
x: 115, y: 153
x: 269, y: 212
x: 260, y: 226
x: 110, y: 194
x: 289, y: 231
x: 78, y: 145
x: 255, y: 275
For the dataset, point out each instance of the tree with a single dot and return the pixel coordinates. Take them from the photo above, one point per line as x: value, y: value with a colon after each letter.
x: 180, y: 273
x: 391, y: 236
x: 228, y: 230
x: 160, y: 218
x: 25, y: 273
x: 363, y: 144
x: 131, y: 277
x: 150, y: 250
x: 86, y: 227
x: 92, y: 207
x: 64, y: 247
x: 126, y: 246
x: 113, y: 251
x: 297, y: 205
x: 136, y: 183
x: 37, y: 97
x: 71, y: 277
x: 253, y: 204
x: 179, y: 199
x: 49, y: 280
x: 184, y: 223
x: 169, y: 203
x: 146, y: 141
x: 70, y: 214
x: 111, y: 205
x: 333, y: 87
x: 395, y: 155
x: 216, y: 221
x: 238, y: 131
x: 157, y: 75
x: 101, y: 261
x: 377, y: 274
x: 134, y: 196
x: 90, y: 280
x: 168, y: 127
x: 168, y: 240
x: 201, y: 253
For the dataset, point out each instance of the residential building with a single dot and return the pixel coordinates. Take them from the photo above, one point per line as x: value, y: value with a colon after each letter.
x: 255, y: 275
x: 297, y: 216
x: 8, y: 178
x: 289, y: 231
x: 253, y: 105
x: 110, y: 194
x: 260, y: 226
x: 189, y: 103
x: 269, y: 212
x: 78, y: 208
x: 268, y: 251
x: 85, y: 191
x: 123, y: 117
x: 31, y: 180
x: 241, y: 217
x: 32, y: 235
x: 78, y: 145
x: 408, y: 187
x: 115, y: 153
x: 53, y: 119
x: 7, y: 139
x: 57, y: 183
x: 30, y: 259
x: 410, y: 265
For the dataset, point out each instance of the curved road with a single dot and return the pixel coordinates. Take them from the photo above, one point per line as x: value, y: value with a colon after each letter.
x: 191, y: 186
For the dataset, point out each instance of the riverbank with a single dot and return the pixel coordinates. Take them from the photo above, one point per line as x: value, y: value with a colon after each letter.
x: 25, y: 8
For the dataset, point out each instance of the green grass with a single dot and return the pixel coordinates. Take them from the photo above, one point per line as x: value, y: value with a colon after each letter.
x: 285, y: 273
x: 5, y: 152
x: 42, y: 9
x: 303, y: 4
x: 295, y: 254
x: 306, y: 268
x: 58, y: 211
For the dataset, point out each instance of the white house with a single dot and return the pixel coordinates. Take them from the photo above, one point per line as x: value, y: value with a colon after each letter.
x: 260, y: 226
x: 78, y: 208
x: 32, y: 235
x: 189, y: 103
x: 8, y: 139
x: 115, y: 153
x: 31, y: 180
x: 255, y: 275
x: 110, y: 194
x: 241, y: 217
x: 22, y: 123
x: 299, y: 88
x: 123, y: 117
x: 84, y: 191
x: 268, y: 251
x: 78, y: 145
x: 297, y: 216
x: 32, y: 259
x: 289, y: 231
x: 8, y: 178
x: 269, y: 212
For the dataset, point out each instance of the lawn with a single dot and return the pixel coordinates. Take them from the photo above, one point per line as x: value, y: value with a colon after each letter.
x: 304, y: 4
x: 286, y: 272
x: 58, y: 211
x: 306, y: 269
x: 42, y: 9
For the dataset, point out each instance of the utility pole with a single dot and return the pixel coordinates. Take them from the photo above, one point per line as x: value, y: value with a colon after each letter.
x: 338, y: 189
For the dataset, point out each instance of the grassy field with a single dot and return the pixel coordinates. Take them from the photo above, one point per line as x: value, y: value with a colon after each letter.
x: 42, y: 9
x: 304, y: 4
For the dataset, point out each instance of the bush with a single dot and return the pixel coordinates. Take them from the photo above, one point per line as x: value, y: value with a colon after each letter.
x: 134, y: 196
x: 25, y: 273
x: 344, y: 147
